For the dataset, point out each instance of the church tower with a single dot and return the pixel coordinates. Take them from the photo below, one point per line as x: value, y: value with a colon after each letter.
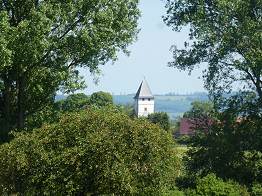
x: 144, y: 100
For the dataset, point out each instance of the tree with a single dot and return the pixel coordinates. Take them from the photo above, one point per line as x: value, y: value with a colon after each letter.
x: 43, y: 43
x: 73, y: 102
x: 199, y: 109
x: 94, y: 151
x: 231, y: 147
x: 160, y: 118
x: 201, y: 115
x: 101, y: 99
x: 226, y: 36
x: 127, y: 109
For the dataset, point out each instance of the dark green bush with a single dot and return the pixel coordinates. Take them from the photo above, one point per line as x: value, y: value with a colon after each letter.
x: 183, y: 139
x: 97, y: 151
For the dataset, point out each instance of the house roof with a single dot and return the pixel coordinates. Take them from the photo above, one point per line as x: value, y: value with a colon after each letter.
x: 188, y: 126
x: 143, y: 91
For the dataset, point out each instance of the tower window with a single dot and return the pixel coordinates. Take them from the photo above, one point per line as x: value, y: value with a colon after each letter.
x: 149, y: 99
x: 145, y: 109
x: 143, y: 99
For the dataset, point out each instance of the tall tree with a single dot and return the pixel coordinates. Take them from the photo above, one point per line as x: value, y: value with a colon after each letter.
x: 160, y: 118
x: 43, y: 43
x: 225, y: 35
x: 73, y: 102
x: 200, y: 109
x: 101, y: 99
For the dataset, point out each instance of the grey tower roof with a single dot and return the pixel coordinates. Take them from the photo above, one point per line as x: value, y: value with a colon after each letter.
x: 144, y: 91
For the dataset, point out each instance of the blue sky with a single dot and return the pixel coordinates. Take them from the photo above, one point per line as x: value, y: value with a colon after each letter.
x: 149, y: 57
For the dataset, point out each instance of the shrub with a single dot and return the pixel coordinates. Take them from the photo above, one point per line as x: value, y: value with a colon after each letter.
x: 97, y: 151
x: 212, y: 185
x: 256, y: 189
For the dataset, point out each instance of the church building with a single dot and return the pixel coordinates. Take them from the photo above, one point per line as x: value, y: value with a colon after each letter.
x: 144, y: 100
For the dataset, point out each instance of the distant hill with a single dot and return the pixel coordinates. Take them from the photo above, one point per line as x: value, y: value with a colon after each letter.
x: 174, y: 105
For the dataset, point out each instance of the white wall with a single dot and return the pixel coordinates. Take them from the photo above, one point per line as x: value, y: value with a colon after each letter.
x: 144, y: 108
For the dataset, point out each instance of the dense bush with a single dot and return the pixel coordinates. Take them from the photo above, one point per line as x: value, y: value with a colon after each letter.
x: 212, y: 185
x: 99, y: 151
x: 160, y: 118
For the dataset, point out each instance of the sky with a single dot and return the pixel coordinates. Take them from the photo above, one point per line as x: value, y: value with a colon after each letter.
x: 149, y: 57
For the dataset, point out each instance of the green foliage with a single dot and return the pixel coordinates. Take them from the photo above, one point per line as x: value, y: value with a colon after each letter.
x: 101, y: 99
x: 212, y: 185
x: 174, y: 193
x: 199, y: 110
x: 94, y: 151
x: 44, y: 43
x: 256, y: 189
x: 49, y: 114
x: 225, y: 36
x: 200, y: 115
x: 127, y: 109
x: 232, y: 146
x: 184, y: 139
x: 73, y: 102
x: 160, y: 118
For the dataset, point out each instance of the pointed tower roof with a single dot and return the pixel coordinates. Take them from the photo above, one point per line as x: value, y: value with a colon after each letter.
x: 144, y: 91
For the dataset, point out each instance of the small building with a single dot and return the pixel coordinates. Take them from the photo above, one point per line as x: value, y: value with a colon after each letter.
x: 144, y: 100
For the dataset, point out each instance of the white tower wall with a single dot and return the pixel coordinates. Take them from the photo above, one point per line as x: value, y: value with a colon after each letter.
x: 145, y: 107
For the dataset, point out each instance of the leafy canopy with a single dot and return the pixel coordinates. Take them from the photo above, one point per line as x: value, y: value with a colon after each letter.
x: 101, y: 99
x: 225, y: 38
x: 72, y: 102
x: 200, y: 109
x: 231, y: 147
x: 95, y: 151
x: 43, y: 43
